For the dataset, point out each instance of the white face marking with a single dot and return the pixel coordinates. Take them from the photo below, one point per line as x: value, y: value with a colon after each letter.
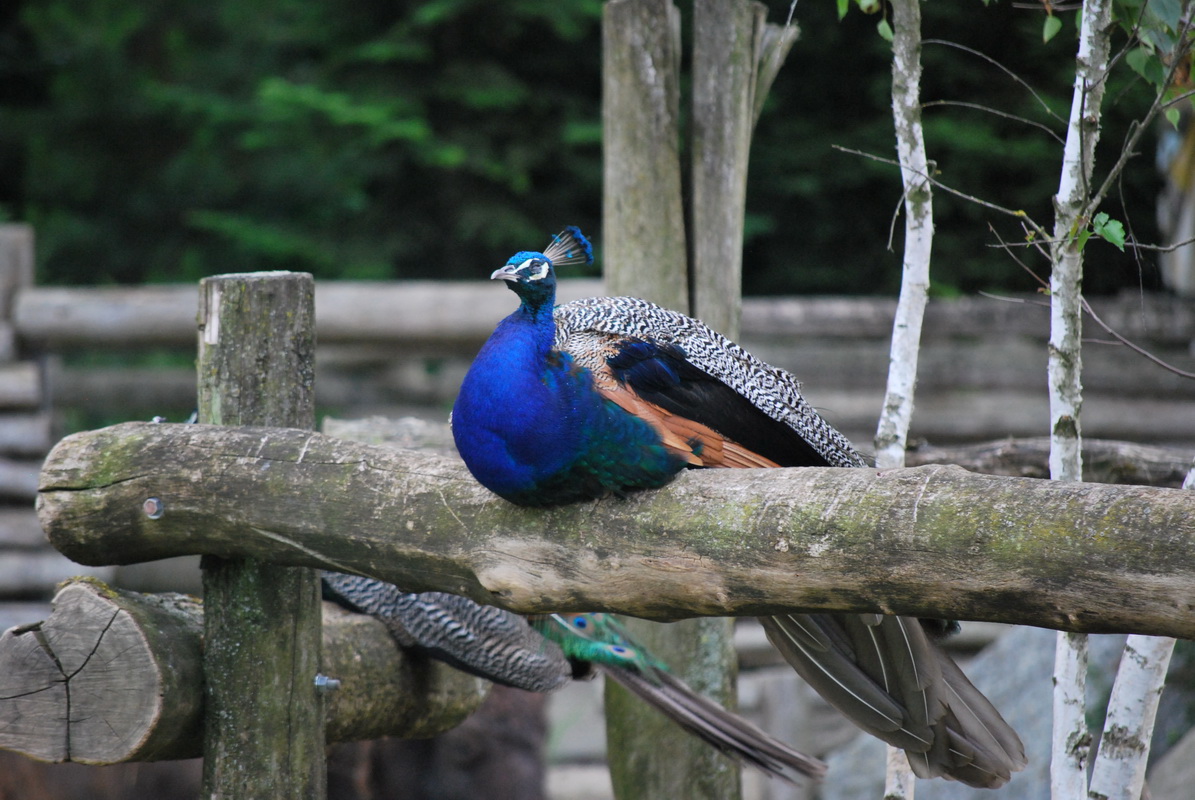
x: 539, y: 274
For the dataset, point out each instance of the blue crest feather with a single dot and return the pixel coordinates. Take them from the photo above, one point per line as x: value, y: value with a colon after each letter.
x: 569, y: 247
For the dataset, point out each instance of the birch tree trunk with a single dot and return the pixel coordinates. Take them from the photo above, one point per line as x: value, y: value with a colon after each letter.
x: 892, y: 433
x: 1119, y: 772
x: 1071, y: 739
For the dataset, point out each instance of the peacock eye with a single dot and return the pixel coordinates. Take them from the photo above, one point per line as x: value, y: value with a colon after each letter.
x: 581, y: 622
x: 537, y: 269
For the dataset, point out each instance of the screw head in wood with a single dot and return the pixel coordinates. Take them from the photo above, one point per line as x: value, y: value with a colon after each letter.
x: 153, y: 507
x: 324, y: 684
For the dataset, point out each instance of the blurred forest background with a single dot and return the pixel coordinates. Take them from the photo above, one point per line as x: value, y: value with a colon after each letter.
x: 372, y: 140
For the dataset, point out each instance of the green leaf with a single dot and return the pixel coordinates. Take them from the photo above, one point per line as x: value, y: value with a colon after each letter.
x: 1172, y: 116
x: 1169, y: 11
x: 843, y: 7
x: 885, y: 30
x: 1110, y: 230
x: 1147, y: 63
x: 1084, y: 235
x: 1050, y: 27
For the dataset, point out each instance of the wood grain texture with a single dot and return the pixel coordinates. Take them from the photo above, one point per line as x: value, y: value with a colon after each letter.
x: 264, y: 726
x: 726, y: 41
x: 643, y: 217
x: 113, y: 676
x: 931, y: 541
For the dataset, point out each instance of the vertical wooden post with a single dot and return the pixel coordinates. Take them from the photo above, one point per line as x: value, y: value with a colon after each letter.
x: 16, y: 272
x: 726, y: 36
x: 264, y: 719
x: 643, y: 218
x: 645, y: 254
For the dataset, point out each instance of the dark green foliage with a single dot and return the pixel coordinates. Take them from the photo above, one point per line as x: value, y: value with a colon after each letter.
x: 172, y: 140
x: 819, y: 219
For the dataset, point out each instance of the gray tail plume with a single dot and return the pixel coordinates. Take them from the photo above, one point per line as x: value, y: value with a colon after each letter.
x: 886, y: 675
x: 707, y: 720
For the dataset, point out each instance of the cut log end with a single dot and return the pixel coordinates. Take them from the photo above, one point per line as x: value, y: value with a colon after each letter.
x: 115, y: 676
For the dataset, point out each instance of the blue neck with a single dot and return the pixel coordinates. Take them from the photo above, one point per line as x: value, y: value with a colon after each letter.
x: 531, y: 427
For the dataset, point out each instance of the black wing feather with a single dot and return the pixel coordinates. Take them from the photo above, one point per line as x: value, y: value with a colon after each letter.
x: 663, y: 375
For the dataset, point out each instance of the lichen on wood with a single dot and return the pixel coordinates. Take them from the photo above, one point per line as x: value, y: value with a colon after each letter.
x: 930, y: 541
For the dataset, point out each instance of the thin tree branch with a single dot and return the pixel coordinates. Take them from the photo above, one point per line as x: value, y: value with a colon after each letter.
x: 995, y: 112
x: 1021, y: 215
x: 1091, y: 313
x: 1003, y: 69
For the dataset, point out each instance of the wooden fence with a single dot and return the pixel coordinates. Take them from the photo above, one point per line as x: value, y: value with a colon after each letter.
x: 399, y: 346
x: 402, y: 347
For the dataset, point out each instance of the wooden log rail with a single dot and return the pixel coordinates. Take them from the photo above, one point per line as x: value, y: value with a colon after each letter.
x: 460, y: 315
x: 117, y: 676
x: 930, y: 541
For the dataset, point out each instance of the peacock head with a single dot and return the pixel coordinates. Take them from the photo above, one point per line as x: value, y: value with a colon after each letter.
x: 532, y: 275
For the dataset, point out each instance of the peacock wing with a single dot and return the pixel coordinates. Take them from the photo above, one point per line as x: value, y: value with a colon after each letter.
x: 482, y: 640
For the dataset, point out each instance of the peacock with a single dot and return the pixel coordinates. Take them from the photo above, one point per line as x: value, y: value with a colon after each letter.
x: 545, y: 654
x: 611, y: 395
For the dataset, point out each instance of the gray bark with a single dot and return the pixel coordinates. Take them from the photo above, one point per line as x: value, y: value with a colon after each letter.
x: 929, y: 541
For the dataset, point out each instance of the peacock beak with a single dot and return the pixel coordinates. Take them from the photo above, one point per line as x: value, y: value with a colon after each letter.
x: 507, y: 273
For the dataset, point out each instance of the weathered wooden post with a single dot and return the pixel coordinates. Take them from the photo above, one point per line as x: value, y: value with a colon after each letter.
x: 649, y: 253
x: 643, y: 213
x: 264, y: 723
x: 644, y: 255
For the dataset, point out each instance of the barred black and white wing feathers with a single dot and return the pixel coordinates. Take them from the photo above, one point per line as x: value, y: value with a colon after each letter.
x: 481, y: 640
x: 587, y: 328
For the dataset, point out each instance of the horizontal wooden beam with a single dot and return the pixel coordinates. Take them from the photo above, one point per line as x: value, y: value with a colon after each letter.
x: 439, y: 313
x: 930, y: 541
x: 431, y: 312
x: 115, y: 676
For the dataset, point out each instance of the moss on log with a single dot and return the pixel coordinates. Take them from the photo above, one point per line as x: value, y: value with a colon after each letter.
x: 930, y: 541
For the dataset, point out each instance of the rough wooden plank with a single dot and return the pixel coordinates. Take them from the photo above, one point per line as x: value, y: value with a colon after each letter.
x: 264, y: 726
x: 1142, y: 317
x: 116, y: 676
x: 34, y: 574
x: 20, y: 385
x: 1103, y: 461
x: 927, y: 542
x: 460, y: 315
x: 427, y: 313
x: 25, y: 434
x: 374, y: 376
x: 105, y: 316
x: 994, y: 361
x: 430, y: 312
x: 18, y: 479
x: 974, y: 415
